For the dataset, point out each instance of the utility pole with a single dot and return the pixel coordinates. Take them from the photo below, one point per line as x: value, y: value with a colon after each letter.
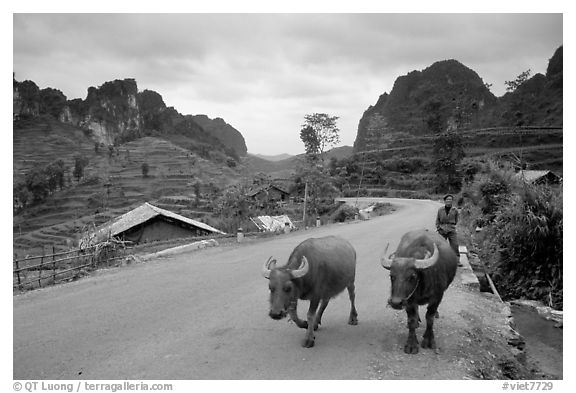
x: 305, y: 197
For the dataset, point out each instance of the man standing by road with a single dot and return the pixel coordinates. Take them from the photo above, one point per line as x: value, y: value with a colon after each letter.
x: 446, y: 221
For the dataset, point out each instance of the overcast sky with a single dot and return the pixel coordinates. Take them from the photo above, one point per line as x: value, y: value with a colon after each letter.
x: 262, y: 73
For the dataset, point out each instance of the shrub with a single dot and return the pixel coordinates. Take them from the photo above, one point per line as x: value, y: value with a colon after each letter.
x: 343, y: 213
x: 145, y: 169
x: 521, y: 241
x: 528, y: 235
x: 92, y: 181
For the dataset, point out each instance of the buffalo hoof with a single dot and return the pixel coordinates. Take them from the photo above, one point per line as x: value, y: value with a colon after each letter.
x: 308, y: 343
x: 428, y: 342
x: 303, y: 325
x: 411, y: 347
x: 352, y: 321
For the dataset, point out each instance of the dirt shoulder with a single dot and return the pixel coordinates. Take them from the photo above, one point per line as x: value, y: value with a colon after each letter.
x: 473, y: 335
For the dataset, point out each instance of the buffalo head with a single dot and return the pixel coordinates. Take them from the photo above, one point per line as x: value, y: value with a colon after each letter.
x: 282, y: 289
x: 404, y: 275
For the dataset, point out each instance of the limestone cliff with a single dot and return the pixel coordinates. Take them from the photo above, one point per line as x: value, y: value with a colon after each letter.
x: 25, y: 99
x: 228, y: 135
x: 422, y: 102
x: 110, y: 111
x: 117, y: 112
x: 448, y: 95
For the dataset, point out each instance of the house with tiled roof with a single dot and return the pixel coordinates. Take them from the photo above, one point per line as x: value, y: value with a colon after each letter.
x: 149, y: 223
x: 269, y: 192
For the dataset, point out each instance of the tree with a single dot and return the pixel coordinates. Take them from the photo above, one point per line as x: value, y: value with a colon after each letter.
x: 197, y: 189
x: 145, y: 169
x: 448, y: 152
x: 22, y: 196
x: 321, y: 186
x: 319, y: 133
x: 234, y: 206
x: 513, y: 85
x: 55, y: 175
x: 36, y: 182
x: 311, y: 142
x: 80, y: 163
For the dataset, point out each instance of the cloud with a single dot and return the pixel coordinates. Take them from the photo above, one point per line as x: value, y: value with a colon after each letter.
x: 263, y: 72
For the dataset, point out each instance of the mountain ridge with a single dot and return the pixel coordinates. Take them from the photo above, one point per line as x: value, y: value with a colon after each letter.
x: 117, y: 112
x: 448, y: 95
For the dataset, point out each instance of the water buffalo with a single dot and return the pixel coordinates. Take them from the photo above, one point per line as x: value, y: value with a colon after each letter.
x: 317, y: 270
x: 421, y: 269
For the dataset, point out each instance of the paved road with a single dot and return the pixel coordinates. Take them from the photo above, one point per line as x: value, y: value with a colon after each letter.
x: 203, y: 315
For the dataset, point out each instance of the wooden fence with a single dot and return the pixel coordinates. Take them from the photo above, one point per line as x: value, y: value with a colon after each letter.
x: 43, y: 270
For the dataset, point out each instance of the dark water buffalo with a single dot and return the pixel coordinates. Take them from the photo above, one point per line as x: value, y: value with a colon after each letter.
x: 317, y: 270
x: 421, y: 269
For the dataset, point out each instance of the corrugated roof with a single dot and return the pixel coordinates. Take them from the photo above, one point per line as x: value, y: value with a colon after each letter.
x: 530, y: 176
x: 144, y: 213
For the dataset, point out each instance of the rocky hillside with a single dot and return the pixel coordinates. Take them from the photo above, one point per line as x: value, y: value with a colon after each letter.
x: 118, y: 131
x: 228, y: 135
x: 117, y: 112
x: 177, y: 179
x: 536, y: 102
x: 449, y: 95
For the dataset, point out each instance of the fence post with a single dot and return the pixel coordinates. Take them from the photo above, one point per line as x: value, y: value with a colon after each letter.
x: 41, y: 267
x: 17, y: 271
x: 53, y: 265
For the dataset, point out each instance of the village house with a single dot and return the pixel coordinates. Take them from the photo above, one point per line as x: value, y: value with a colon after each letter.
x: 149, y: 223
x: 269, y: 193
x: 539, y: 177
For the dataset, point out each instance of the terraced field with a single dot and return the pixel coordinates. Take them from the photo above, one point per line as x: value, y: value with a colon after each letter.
x: 540, y: 148
x: 112, y: 185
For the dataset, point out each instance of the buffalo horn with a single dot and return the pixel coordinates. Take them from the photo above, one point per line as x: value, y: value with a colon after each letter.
x: 268, y: 266
x: 427, y: 262
x: 302, y: 270
x: 386, y: 262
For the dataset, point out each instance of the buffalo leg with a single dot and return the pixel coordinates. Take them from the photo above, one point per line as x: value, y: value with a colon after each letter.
x: 353, y: 319
x: 294, y: 316
x: 428, y: 338
x: 412, y: 342
x: 323, y: 306
x: 309, y: 340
